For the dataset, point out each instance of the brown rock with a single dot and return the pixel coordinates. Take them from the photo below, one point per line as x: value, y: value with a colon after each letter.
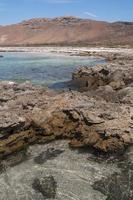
x: 100, y: 118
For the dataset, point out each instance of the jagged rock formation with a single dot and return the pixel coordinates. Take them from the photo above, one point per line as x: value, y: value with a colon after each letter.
x: 66, y: 30
x: 115, y: 78
x: 87, y: 122
x: 73, y: 116
x: 100, y: 116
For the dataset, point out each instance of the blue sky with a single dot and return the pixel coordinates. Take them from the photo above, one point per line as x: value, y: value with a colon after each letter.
x: 13, y: 11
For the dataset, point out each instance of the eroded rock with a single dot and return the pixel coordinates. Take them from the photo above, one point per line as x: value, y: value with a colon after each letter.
x: 100, y: 117
x: 108, y: 80
x: 46, y: 186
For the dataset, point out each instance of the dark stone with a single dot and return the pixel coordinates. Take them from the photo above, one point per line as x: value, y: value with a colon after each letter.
x: 47, y: 186
x: 107, y: 116
x: 118, y: 186
x: 47, y: 155
x: 104, y: 72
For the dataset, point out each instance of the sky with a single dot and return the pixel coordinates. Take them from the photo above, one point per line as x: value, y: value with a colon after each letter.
x: 13, y: 11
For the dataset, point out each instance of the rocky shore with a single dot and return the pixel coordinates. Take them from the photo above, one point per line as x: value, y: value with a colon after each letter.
x: 98, y: 114
x: 73, y: 144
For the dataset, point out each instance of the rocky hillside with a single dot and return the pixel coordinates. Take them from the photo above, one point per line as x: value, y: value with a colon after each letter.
x: 65, y: 31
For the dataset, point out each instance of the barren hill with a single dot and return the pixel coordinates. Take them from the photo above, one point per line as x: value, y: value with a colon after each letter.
x: 66, y: 30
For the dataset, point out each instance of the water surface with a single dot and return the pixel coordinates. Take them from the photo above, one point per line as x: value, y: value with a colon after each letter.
x: 38, y: 68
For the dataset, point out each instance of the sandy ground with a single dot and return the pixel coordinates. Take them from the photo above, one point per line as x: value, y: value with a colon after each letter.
x: 66, y: 50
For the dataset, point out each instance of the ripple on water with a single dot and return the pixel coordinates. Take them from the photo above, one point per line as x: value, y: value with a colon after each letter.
x: 42, y: 69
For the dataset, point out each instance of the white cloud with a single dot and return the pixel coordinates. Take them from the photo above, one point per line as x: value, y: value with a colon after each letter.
x: 90, y: 14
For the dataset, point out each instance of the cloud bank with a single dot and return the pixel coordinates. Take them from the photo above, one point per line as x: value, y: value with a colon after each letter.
x: 90, y: 14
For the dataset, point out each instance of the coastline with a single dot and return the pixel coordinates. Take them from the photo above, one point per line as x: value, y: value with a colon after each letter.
x: 67, y: 139
x: 104, y: 92
x: 67, y: 50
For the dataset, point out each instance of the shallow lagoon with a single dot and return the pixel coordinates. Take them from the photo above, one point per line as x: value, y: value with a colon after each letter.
x: 47, y: 69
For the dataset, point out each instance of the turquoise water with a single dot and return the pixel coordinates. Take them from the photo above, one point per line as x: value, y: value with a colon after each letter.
x: 41, y: 69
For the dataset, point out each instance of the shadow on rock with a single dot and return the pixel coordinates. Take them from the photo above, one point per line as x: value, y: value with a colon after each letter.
x: 14, y: 159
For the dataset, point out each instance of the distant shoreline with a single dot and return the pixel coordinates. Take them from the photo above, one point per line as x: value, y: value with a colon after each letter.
x: 69, y: 50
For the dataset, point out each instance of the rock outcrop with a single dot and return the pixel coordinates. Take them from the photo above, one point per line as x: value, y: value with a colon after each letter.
x: 112, y: 81
x: 99, y: 117
x: 86, y: 122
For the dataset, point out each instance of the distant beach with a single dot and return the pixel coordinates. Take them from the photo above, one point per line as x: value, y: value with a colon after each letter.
x: 66, y: 50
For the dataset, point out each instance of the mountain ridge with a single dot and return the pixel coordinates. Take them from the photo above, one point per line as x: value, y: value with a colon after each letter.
x: 66, y: 30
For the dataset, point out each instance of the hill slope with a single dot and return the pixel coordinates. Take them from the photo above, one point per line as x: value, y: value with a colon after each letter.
x: 66, y: 30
